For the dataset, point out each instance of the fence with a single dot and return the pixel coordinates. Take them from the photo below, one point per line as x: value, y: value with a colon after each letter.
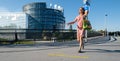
x: 40, y: 35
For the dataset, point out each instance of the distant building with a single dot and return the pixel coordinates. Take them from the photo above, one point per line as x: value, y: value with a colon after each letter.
x: 41, y: 17
x: 12, y: 20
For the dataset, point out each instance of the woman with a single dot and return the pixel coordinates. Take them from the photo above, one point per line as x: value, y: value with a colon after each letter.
x: 80, y: 30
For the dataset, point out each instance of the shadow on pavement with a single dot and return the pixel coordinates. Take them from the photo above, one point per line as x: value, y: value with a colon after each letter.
x: 101, y: 40
x: 102, y: 51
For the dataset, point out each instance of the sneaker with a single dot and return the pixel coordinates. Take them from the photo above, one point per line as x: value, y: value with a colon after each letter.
x: 79, y: 51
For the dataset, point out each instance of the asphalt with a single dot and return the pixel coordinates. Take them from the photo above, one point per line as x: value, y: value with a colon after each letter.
x: 96, y: 49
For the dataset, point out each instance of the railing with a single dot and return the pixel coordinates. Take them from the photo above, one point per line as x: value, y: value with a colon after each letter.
x: 14, y: 35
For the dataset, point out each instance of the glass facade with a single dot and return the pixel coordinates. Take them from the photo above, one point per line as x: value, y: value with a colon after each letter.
x: 41, y: 17
x: 12, y: 20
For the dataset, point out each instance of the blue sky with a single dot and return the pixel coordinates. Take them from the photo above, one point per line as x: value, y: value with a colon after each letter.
x: 97, y: 13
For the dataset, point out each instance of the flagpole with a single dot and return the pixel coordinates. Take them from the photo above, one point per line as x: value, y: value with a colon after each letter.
x: 106, y: 33
x: 87, y: 9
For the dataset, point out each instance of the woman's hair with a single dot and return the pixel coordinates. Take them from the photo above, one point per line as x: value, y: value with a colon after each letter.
x: 83, y: 10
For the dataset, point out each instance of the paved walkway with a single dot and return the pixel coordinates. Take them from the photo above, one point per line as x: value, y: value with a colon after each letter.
x: 98, y: 49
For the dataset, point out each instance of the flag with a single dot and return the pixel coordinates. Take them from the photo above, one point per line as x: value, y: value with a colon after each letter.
x: 86, y: 2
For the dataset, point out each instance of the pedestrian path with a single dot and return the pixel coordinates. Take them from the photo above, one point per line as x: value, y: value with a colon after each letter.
x: 94, y: 51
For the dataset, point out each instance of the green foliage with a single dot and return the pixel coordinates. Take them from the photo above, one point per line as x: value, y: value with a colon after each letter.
x: 2, y: 39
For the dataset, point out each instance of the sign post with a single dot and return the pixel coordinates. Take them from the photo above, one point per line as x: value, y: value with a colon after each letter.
x: 87, y: 9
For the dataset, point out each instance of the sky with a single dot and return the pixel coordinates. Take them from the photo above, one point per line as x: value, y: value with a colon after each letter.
x: 98, y: 10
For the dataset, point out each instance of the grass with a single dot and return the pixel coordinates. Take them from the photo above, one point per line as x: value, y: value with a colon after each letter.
x: 24, y: 42
x: 5, y: 41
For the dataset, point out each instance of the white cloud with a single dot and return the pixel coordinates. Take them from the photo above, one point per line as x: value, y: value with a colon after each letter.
x: 0, y: 17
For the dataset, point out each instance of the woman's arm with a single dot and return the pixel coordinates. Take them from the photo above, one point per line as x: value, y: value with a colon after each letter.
x: 72, y: 22
x: 86, y: 13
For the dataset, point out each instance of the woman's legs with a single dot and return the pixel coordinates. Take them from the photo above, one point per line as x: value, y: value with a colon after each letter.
x: 81, y: 43
x: 82, y: 46
x: 80, y: 34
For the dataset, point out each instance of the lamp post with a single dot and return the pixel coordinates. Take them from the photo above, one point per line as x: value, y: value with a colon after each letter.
x: 106, y: 33
x: 87, y: 9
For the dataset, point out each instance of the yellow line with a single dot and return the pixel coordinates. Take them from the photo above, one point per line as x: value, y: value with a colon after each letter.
x: 69, y: 56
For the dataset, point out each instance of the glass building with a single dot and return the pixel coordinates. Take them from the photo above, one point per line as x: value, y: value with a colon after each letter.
x: 12, y: 20
x: 41, y: 17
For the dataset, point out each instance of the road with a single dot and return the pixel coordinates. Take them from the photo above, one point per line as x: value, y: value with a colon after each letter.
x: 97, y: 49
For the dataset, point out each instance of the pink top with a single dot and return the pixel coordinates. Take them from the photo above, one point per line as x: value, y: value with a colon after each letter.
x: 79, y: 21
x: 80, y: 30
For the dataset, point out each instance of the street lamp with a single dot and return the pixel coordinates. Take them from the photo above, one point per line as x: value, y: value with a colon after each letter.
x: 106, y: 25
x: 87, y: 9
